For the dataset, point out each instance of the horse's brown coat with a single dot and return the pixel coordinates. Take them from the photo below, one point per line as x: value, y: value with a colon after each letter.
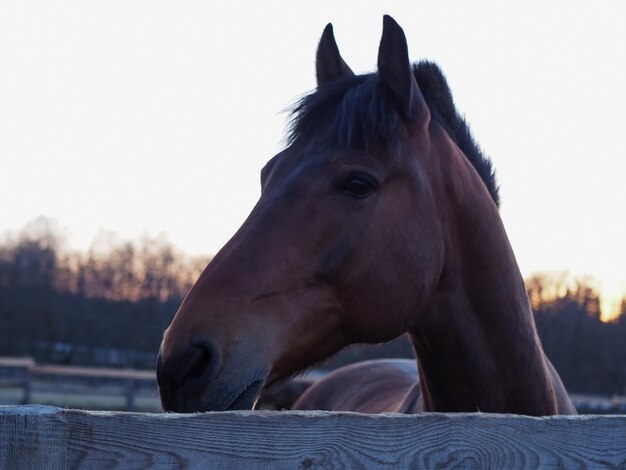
x: 362, y: 243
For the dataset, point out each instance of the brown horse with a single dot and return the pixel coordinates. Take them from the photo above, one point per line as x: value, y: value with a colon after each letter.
x: 380, y: 217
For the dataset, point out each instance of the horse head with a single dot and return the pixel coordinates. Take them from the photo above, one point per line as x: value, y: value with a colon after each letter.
x: 345, y: 245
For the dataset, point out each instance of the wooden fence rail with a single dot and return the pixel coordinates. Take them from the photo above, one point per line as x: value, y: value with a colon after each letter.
x: 22, y: 371
x: 53, y: 438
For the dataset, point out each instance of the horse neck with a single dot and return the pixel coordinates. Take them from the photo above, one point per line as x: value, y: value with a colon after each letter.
x: 476, y: 344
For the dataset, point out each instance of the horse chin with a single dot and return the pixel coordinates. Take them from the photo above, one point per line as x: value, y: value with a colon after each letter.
x: 216, y: 397
x: 247, y: 398
x: 228, y: 398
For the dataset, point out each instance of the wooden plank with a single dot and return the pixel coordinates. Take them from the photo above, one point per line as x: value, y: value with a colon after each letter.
x: 76, y: 371
x: 94, y: 372
x: 33, y: 436
x: 258, y: 440
x: 17, y: 362
x: 344, y: 440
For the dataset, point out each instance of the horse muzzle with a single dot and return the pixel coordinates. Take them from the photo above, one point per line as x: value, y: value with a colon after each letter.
x: 195, y: 379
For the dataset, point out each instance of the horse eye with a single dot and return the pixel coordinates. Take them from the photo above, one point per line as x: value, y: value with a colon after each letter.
x: 358, y: 187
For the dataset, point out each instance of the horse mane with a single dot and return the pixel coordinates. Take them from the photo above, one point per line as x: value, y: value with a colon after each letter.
x: 355, y: 112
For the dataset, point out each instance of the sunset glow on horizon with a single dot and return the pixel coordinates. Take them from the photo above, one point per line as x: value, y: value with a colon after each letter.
x: 156, y: 117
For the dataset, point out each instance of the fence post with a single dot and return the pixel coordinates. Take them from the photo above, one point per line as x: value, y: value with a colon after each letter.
x: 27, y: 386
x: 130, y: 394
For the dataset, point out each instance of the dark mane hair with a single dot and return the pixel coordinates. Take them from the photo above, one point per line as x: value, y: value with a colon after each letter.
x: 355, y: 112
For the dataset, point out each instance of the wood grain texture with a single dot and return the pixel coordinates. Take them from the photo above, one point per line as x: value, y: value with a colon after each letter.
x: 258, y: 440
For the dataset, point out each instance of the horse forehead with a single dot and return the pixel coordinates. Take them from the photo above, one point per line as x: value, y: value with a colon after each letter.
x: 290, y: 161
x: 316, y: 157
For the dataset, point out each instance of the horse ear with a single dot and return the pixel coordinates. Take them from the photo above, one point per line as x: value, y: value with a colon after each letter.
x: 329, y: 65
x: 395, y: 70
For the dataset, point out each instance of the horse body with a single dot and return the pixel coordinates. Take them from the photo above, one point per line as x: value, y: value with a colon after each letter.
x: 379, y: 218
x: 376, y: 386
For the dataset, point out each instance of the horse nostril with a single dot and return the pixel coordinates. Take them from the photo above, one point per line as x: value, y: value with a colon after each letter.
x: 199, y: 363
x: 188, y: 370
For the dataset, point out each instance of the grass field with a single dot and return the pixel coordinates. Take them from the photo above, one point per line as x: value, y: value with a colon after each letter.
x: 111, y: 397
x: 78, y: 396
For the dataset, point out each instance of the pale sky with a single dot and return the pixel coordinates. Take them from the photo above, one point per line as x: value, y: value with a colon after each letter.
x: 150, y: 116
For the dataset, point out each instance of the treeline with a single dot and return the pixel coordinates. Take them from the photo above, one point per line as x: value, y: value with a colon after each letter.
x: 589, y: 354
x: 109, y: 307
